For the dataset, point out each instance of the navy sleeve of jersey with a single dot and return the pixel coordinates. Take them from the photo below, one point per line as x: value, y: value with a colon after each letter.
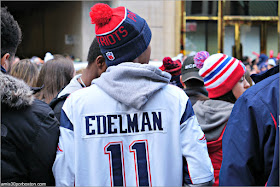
x: 248, y: 144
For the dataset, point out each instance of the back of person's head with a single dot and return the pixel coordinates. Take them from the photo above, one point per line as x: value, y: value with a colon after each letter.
x: 10, y: 37
x: 174, y: 68
x: 170, y: 66
x: 244, y: 59
x: 25, y: 70
x: 220, y: 73
x: 55, y: 74
x: 58, y: 56
x: 93, y: 52
x: 262, y: 58
x: 271, y: 63
x: 49, y: 56
x: 123, y: 36
x: 190, y: 75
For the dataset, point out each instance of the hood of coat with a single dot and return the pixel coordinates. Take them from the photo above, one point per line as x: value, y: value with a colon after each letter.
x: 212, y: 115
x: 15, y: 93
x: 132, y: 83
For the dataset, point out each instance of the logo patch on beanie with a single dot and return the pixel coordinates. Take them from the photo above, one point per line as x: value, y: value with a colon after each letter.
x: 110, y: 56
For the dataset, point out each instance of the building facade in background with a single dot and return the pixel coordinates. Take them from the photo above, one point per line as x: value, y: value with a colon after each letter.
x: 237, y: 28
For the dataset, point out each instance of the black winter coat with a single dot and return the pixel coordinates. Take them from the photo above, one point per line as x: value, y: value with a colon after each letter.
x: 29, y: 135
x: 56, y: 104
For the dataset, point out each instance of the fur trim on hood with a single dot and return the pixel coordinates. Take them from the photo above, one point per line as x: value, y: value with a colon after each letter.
x: 15, y: 93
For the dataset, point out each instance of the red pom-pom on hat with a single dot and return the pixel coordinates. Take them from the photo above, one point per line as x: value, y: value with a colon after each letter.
x: 100, y: 14
x: 170, y: 66
x: 167, y: 61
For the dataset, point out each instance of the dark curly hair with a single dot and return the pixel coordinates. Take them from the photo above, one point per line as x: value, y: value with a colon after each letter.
x: 94, y: 51
x: 10, y: 33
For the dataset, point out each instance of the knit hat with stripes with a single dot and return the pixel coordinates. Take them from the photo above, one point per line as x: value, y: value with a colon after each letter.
x: 220, y: 72
x: 122, y: 35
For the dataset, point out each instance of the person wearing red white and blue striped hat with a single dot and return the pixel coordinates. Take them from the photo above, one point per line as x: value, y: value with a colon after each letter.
x: 225, y: 82
x: 220, y: 73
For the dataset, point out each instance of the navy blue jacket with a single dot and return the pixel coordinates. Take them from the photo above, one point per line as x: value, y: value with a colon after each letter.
x: 251, y: 138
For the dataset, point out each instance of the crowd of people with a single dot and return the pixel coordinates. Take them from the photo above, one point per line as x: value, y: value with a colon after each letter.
x: 201, y: 120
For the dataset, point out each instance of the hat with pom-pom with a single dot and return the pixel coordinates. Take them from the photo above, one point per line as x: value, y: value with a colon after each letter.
x: 220, y: 73
x: 170, y: 66
x: 122, y: 35
x: 174, y: 68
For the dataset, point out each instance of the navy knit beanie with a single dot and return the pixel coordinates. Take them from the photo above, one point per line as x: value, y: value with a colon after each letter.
x: 122, y: 35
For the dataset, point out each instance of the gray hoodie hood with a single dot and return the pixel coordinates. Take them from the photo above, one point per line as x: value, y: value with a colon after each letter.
x: 15, y: 93
x: 132, y: 83
x: 212, y: 115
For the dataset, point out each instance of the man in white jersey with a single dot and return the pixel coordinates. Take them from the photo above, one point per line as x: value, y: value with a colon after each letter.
x: 130, y: 128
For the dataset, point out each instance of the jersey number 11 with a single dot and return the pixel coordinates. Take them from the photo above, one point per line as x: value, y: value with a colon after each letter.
x: 141, y: 161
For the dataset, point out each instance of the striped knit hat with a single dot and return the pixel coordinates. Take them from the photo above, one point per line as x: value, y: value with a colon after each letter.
x: 122, y: 35
x: 220, y: 72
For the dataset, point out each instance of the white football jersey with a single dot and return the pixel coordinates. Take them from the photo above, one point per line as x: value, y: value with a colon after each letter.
x: 106, y: 143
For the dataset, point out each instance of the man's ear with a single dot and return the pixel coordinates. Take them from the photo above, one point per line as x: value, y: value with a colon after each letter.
x: 100, y: 61
x: 182, y: 82
x: 5, y: 60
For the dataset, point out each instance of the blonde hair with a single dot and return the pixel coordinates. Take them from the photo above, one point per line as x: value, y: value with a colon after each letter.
x: 55, y: 74
x: 25, y: 70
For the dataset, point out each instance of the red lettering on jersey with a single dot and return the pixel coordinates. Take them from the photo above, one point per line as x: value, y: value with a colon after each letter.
x: 131, y: 15
x: 123, y: 31
x: 112, y: 41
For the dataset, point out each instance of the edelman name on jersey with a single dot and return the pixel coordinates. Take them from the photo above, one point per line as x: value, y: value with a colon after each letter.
x: 123, y: 123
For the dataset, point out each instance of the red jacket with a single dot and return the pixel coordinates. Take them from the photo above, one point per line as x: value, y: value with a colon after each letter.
x: 216, y: 155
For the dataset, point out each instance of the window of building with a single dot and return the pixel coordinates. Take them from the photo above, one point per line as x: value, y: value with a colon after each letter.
x: 251, y: 8
x: 201, y: 8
